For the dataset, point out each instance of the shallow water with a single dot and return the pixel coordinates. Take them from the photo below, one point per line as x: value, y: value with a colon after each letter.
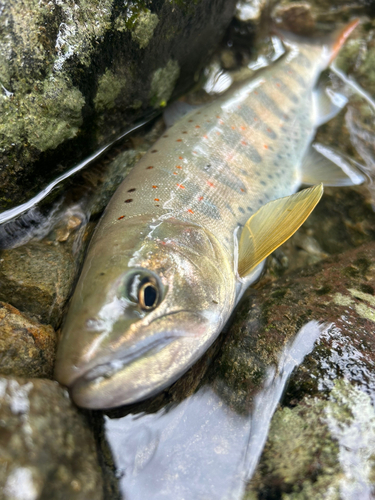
x: 201, y: 448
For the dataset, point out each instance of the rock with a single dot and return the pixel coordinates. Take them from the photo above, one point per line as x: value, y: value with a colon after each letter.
x: 46, y: 449
x: 27, y: 348
x: 38, y: 279
x: 72, y: 77
x: 326, y: 420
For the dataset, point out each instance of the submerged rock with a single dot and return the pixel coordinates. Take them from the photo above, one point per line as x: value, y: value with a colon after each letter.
x: 74, y: 75
x: 46, y: 449
x: 27, y: 348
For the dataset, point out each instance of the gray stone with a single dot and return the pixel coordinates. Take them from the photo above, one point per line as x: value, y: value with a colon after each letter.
x: 46, y: 449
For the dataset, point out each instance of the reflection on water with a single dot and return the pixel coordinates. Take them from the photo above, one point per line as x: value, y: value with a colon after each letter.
x: 201, y: 448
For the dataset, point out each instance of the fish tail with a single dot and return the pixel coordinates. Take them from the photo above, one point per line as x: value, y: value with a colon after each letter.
x: 323, y: 49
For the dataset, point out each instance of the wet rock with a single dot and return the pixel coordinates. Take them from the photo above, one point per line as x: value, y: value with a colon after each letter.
x: 46, y: 448
x: 326, y: 420
x: 27, y: 348
x: 38, y: 279
x: 73, y: 77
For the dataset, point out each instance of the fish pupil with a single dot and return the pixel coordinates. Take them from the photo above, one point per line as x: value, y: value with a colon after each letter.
x: 148, y: 296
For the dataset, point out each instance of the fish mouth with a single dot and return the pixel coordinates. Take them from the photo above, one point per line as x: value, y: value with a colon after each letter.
x: 110, y: 366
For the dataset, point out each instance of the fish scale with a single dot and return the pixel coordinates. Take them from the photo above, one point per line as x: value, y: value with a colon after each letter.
x: 190, y: 228
x: 229, y: 129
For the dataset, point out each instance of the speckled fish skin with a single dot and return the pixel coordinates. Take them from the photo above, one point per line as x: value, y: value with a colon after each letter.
x: 174, y: 220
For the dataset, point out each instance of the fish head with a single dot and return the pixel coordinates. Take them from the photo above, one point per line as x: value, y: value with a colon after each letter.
x: 152, y: 296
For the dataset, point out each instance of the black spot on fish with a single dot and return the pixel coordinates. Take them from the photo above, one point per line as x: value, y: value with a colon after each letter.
x: 263, y: 183
x: 131, y: 190
x: 270, y: 176
x: 241, y: 210
x: 249, y: 209
x: 129, y: 200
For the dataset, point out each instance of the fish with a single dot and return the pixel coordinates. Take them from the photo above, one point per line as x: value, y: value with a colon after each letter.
x: 190, y: 227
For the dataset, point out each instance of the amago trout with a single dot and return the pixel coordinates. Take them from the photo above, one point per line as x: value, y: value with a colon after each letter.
x: 189, y: 228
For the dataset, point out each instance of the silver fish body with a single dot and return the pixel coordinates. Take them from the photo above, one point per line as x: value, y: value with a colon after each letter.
x: 161, y: 274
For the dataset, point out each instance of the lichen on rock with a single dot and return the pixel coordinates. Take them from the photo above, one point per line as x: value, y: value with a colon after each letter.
x: 109, y: 87
x: 163, y: 82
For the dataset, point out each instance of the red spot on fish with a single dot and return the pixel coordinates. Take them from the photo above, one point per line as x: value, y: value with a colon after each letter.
x: 179, y: 140
x: 190, y: 211
x: 156, y: 199
x: 256, y: 92
x: 265, y: 146
x: 242, y: 190
x: 122, y: 216
x: 218, y: 133
x: 197, y: 126
x: 178, y: 166
x: 180, y: 158
x: 244, y: 143
x: 195, y: 153
x: 255, y: 119
x: 163, y: 243
x: 210, y: 184
x: 200, y: 198
x: 269, y: 130
x: 242, y: 127
x: 205, y: 137
x: 174, y: 173
x: 221, y: 122
x: 278, y: 85
x: 180, y: 186
x: 218, y: 117
x: 154, y: 187
x: 148, y: 168
x: 233, y: 127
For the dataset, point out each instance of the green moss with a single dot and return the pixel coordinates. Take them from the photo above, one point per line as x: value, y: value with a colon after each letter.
x: 163, y: 82
x: 144, y: 28
x: 109, y: 87
x: 140, y: 22
x: 43, y: 118
x: 312, y: 447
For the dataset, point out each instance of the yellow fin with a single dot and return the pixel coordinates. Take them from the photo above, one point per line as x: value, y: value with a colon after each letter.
x: 273, y: 224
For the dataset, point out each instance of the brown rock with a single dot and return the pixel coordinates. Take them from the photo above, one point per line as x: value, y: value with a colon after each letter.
x: 27, y: 348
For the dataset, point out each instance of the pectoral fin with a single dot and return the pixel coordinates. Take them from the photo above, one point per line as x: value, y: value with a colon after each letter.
x: 324, y: 164
x: 273, y: 224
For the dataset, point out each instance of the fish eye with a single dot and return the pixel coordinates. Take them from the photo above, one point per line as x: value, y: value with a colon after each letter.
x: 144, y: 289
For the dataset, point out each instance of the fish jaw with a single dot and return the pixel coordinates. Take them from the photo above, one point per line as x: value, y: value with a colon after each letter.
x: 169, y: 354
x: 112, y: 353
